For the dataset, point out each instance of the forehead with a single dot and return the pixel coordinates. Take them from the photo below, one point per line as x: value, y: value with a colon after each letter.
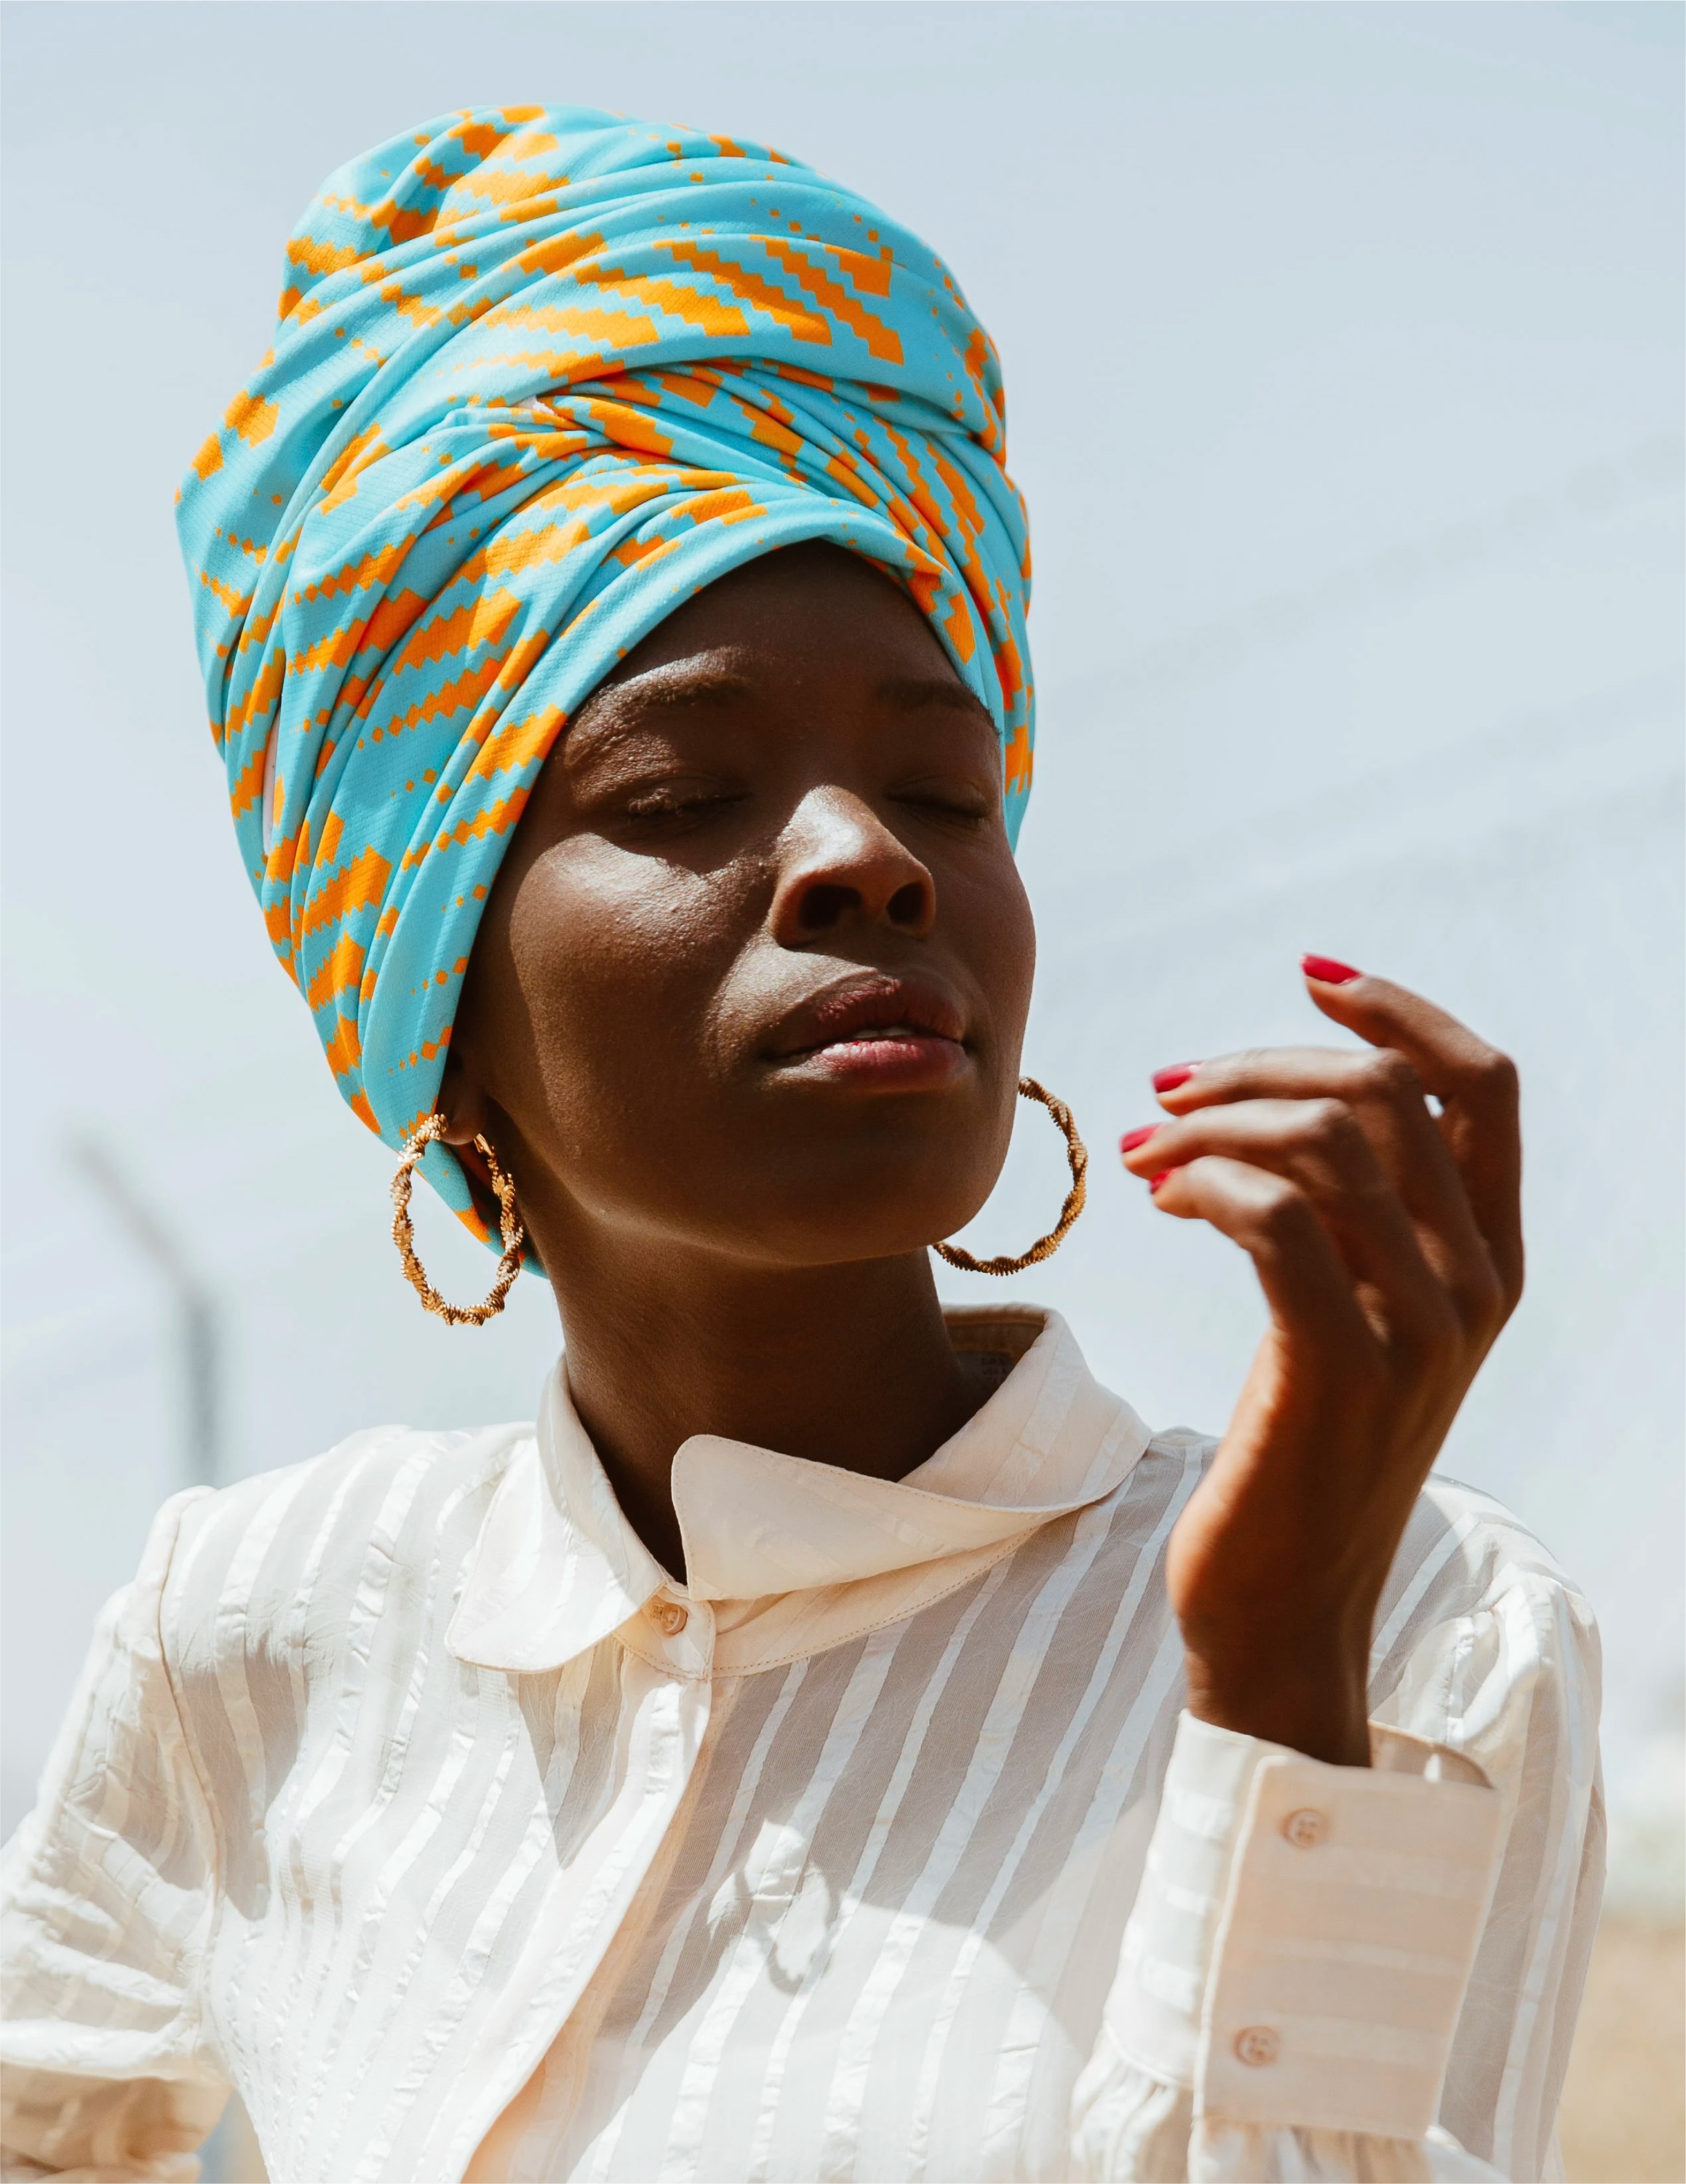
x: 735, y: 689
x: 806, y: 610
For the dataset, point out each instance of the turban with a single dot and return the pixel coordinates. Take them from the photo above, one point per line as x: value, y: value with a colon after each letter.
x: 539, y: 374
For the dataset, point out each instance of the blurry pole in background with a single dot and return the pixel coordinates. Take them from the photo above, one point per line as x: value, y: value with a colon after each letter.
x: 231, y: 2155
x: 195, y: 1310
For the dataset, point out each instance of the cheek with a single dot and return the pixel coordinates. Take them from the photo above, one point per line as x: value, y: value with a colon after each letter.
x: 996, y: 933
x: 1019, y: 943
x: 618, y: 961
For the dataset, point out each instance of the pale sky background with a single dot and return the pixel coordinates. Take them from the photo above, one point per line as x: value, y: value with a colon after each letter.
x: 1344, y: 356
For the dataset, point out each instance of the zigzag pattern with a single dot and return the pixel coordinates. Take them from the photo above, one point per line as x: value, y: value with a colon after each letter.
x: 539, y: 374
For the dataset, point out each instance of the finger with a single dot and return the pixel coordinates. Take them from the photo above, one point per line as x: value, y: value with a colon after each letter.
x: 1460, y: 1175
x: 1382, y: 1090
x: 1308, y: 1290
x: 1475, y: 1085
x: 1319, y: 1146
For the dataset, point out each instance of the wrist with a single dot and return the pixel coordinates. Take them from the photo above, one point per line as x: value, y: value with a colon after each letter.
x: 1313, y: 1702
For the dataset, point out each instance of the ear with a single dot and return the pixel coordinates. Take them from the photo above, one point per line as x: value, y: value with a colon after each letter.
x: 463, y: 1102
x: 469, y: 1113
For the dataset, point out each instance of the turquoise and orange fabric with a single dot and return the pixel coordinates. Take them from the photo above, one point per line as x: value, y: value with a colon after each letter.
x: 539, y: 374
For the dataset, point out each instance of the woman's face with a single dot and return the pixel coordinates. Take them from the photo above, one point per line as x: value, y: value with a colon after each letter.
x: 754, y: 975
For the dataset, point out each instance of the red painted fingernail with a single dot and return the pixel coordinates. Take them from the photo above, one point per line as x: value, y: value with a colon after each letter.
x: 1167, y: 1080
x: 1132, y: 1138
x: 1164, y: 1176
x: 1328, y: 971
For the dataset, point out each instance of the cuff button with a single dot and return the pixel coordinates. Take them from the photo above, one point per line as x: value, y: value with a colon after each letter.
x: 1256, y: 2045
x: 1306, y: 1828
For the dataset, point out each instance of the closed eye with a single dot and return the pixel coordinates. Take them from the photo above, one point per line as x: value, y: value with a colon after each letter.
x: 954, y: 800
x: 679, y: 801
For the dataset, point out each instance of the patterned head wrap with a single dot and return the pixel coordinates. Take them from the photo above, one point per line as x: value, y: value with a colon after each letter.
x: 540, y: 374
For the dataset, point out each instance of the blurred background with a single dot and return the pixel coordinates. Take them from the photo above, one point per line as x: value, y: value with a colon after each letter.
x: 1344, y: 350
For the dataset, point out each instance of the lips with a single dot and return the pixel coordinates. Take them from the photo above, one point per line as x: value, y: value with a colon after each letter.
x: 885, y: 1009
x: 889, y: 1033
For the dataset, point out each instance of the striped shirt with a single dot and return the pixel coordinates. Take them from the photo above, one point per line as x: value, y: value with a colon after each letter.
x: 406, y: 1793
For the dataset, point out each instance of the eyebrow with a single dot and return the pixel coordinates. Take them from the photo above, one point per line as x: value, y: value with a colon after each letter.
x: 612, y: 711
x: 909, y: 691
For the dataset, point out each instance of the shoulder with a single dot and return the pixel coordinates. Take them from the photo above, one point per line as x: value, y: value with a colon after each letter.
x: 1484, y: 1642
x: 382, y: 1522
x: 1465, y: 1553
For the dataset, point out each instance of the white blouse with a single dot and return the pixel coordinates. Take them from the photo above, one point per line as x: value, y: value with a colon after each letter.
x: 405, y: 1793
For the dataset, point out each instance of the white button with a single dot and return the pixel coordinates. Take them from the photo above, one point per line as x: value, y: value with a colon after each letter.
x: 1257, y: 2045
x: 671, y: 1615
x: 1306, y: 1828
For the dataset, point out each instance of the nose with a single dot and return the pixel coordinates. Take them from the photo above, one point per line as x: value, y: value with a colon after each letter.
x: 841, y: 865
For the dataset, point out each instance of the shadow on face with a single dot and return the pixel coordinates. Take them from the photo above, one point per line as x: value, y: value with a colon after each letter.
x: 754, y: 974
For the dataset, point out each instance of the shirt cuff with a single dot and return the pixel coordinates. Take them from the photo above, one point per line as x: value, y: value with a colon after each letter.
x: 1304, y: 1935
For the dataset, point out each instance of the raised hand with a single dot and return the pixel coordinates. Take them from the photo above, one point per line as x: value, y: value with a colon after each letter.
x: 1388, y: 1241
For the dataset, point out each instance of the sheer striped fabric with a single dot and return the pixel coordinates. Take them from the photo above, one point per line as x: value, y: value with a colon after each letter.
x: 406, y: 1793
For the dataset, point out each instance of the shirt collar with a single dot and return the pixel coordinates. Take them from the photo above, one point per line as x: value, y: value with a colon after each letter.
x: 557, y: 1567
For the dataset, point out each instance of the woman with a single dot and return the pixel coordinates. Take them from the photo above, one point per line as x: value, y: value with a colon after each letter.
x: 838, y: 1740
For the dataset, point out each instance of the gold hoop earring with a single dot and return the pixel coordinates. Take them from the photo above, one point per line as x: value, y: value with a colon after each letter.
x: 1045, y: 1247
x: 404, y: 1235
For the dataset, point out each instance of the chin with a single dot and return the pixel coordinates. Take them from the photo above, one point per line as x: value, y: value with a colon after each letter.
x: 860, y: 1217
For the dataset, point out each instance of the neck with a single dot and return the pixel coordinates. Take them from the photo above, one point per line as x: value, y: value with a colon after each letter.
x: 849, y: 1365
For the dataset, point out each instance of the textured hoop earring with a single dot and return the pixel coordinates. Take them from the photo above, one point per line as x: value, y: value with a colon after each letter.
x: 1045, y: 1247
x: 404, y: 1235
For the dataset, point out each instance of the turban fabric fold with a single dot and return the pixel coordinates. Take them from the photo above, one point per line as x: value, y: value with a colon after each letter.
x: 539, y: 374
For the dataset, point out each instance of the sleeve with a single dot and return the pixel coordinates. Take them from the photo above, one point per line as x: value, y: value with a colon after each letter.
x: 107, y: 1896
x: 1341, y: 1973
